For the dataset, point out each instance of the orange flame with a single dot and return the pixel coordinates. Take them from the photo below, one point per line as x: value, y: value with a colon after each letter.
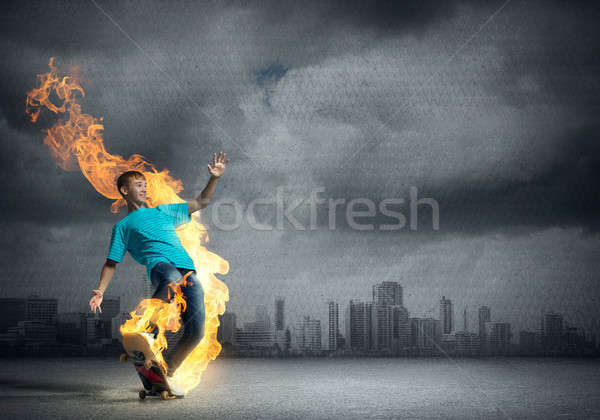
x: 77, y: 143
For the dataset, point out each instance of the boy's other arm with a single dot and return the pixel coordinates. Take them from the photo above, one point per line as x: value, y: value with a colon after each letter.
x: 108, y: 271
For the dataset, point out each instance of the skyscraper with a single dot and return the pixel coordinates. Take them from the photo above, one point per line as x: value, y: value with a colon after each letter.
x: 381, y: 326
x: 279, y: 314
x: 261, y: 317
x: 333, y: 325
x: 485, y: 315
x: 499, y: 335
x: 400, y: 328
x: 309, y: 335
x: 552, y: 331
x: 387, y: 293
x: 426, y: 334
x: 446, y: 315
x: 358, y: 325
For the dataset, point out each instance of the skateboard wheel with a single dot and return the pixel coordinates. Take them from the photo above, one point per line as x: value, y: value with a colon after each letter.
x: 142, y: 394
x: 164, y: 395
x: 148, y: 364
x: 123, y: 357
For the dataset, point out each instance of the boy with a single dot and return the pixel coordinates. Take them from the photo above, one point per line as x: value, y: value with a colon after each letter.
x: 149, y: 236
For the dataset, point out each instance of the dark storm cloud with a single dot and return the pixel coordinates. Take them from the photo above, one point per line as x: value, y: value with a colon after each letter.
x: 550, y: 63
x: 71, y: 29
x: 382, y: 15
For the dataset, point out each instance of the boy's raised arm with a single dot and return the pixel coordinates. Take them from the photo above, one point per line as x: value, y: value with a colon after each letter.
x: 216, y: 171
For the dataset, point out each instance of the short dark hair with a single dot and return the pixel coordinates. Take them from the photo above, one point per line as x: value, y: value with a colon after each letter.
x: 126, y: 177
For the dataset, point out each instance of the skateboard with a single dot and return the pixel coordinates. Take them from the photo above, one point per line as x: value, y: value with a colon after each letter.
x: 137, y: 351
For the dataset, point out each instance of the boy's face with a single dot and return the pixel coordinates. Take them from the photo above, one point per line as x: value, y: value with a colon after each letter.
x: 136, y: 191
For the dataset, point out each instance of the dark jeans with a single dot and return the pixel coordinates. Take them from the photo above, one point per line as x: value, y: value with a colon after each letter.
x: 192, y: 318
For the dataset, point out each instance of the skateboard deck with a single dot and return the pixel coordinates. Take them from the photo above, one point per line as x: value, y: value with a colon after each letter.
x: 138, y: 351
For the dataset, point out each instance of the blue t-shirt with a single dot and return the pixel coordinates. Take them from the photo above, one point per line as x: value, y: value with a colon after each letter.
x: 149, y: 236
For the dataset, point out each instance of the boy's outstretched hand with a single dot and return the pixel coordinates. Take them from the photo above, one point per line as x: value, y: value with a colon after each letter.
x: 96, y: 300
x: 219, y: 164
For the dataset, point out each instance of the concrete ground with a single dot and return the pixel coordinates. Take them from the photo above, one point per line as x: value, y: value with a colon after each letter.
x: 310, y: 388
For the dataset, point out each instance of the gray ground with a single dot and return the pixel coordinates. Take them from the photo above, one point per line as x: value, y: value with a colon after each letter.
x: 310, y: 388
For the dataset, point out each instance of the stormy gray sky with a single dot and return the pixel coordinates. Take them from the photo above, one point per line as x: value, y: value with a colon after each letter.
x: 490, y: 108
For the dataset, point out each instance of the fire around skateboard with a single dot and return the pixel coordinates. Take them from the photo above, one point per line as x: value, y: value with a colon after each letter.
x: 139, y: 353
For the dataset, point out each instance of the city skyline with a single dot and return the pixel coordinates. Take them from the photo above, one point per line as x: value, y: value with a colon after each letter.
x: 474, y: 319
x: 382, y: 325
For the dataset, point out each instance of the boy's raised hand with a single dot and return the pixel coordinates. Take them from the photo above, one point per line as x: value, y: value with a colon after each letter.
x: 219, y: 164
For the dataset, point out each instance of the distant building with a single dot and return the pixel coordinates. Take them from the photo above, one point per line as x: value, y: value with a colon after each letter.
x: 358, y: 325
x: 279, y: 314
x: 227, y: 328
x: 36, y: 332
x: 574, y: 341
x: 98, y: 330
x: 381, y: 326
x: 426, y: 334
x: 446, y: 315
x: 341, y: 341
x: 333, y: 318
x: 43, y: 310
x: 551, y: 332
x: 281, y: 339
x: 467, y: 343
x: 12, y: 310
x: 400, y: 328
x: 254, y: 337
x: 111, y: 307
x: 309, y: 335
x: 387, y: 293
x: 71, y: 327
x: 499, y: 336
x: 261, y: 318
x: 448, y: 344
x: 257, y: 333
x: 485, y: 316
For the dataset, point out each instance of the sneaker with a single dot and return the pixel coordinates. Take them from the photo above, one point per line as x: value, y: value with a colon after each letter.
x: 149, y: 336
x: 174, y: 389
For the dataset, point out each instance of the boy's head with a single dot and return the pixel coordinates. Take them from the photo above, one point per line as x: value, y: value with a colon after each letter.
x: 132, y: 186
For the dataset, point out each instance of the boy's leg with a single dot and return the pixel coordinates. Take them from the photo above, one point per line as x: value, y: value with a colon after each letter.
x: 161, y: 276
x: 193, y: 322
x: 192, y: 318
